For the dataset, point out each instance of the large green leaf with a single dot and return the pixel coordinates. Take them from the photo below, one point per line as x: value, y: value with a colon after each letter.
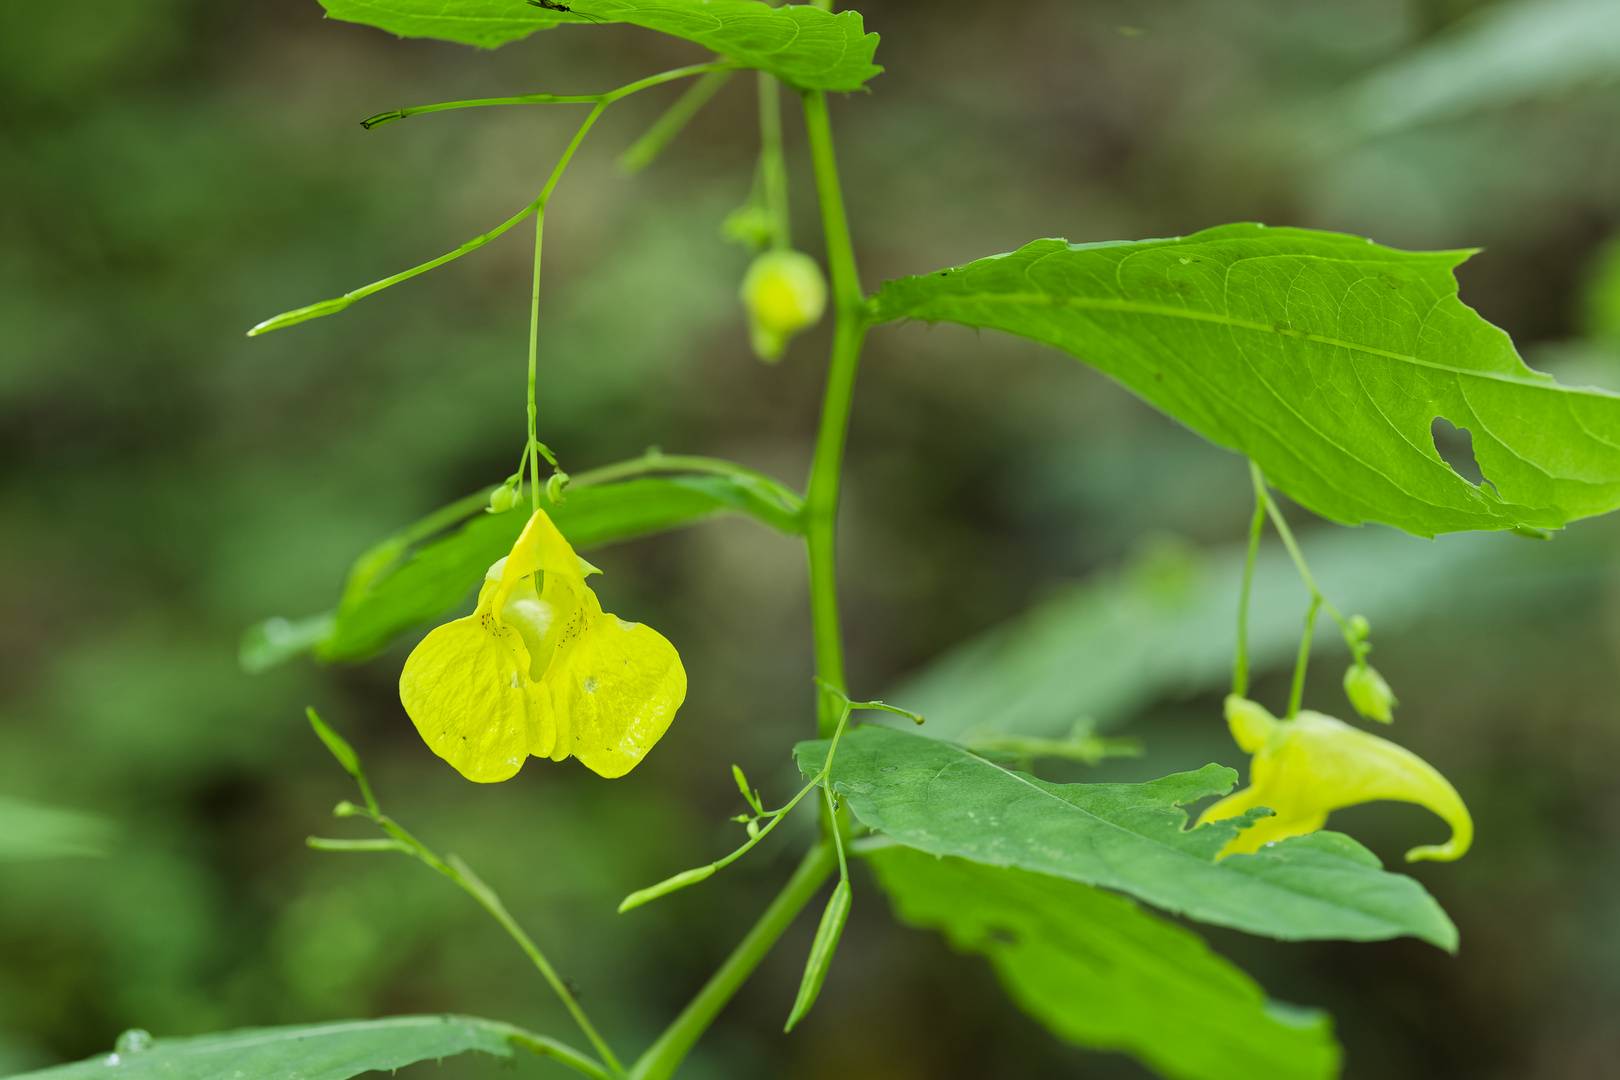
x: 305, y: 1052
x: 1099, y: 971
x: 805, y: 47
x: 428, y: 569
x: 939, y: 798
x: 1323, y: 357
x: 1504, y: 54
x: 29, y: 830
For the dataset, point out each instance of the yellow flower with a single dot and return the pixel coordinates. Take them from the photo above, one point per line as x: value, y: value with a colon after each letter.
x: 1306, y: 767
x: 541, y: 671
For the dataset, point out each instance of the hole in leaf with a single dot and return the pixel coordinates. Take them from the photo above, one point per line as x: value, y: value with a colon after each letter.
x: 1456, y: 448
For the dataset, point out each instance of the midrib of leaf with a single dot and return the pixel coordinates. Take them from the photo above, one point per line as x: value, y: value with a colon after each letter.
x: 1134, y: 307
x: 497, y: 20
x: 1066, y: 804
x: 274, y: 1036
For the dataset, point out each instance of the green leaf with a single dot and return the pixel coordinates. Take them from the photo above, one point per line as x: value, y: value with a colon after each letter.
x: 1099, y: 971
x: 308, y: 1052
x: 428, y: 569
x: 1505, y: 54
x: 805, y: 47
x: 1323, y: 357
x: 29, y: 830
x: 937, y: 797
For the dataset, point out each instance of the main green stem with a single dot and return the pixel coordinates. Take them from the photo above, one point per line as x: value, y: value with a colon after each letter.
x: 826, y: 471
x: 664, y: 1056
x: 820, y: 519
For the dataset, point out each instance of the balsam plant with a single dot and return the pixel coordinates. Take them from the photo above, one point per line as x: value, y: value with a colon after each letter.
x: 1322, y: 358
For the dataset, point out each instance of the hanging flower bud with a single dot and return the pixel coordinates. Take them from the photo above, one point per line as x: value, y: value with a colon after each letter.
x: 1369, y: 693
x: 1305, y: 768
x: 554, y: 487
x: 504, y: 498
x: 785, y: 294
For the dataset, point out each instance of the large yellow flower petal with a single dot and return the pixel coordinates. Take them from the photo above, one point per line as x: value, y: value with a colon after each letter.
x: 466, y: 691
x: 615, y: 687
x: 1307, y: 767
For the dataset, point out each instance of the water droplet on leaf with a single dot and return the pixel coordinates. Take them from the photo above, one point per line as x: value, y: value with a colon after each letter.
x: 133, y: 1041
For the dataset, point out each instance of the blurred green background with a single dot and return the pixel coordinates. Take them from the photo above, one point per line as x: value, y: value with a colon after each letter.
x: 173, y: 171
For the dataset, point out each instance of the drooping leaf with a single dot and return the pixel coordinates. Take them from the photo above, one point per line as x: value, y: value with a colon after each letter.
x: 1323, y: 357
x: 30, y: 830
x: 805, y: 47
x: 306, y: 1052
x: 939, y: 798
x: 1506, y: 53
x: 426, y: 570
x: 1106, y: 647
x: 1099, y: 971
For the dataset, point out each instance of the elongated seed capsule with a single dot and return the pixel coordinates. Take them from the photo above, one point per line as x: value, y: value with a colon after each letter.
x: 821, y: 953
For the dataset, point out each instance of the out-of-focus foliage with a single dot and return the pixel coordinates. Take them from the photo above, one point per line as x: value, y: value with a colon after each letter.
x: 1100, y: 970
x: 31, y: 831
x: 1108, y: 647
x: 1505, y: 54
x: 171, y: 170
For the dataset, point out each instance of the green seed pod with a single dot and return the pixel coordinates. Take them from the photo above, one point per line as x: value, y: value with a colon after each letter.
x: 504, y: 498
x: 785, y: 294
x: 1369, y: 693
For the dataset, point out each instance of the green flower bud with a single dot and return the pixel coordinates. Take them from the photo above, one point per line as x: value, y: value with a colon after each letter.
x: 554, y: 487
x: 785, y: 294
x: 504, y: 498
x: 1369, y: 693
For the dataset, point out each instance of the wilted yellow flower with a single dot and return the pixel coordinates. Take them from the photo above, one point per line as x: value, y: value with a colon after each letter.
x: 1309, y: 766
x: 539, y: 669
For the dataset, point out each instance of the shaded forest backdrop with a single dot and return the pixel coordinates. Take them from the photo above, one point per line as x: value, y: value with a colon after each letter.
x: 172, y: 171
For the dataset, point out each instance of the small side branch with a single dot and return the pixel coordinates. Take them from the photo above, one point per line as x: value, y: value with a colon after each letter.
x: 463, y: 875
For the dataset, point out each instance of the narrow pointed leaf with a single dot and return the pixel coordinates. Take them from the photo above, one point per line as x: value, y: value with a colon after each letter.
x: 1323, y: 357
x: 30, y: 830
x: 939, y: 798
x: 821, y: 953
x: 805, y: 47
x: 1098, y: 971
x: 335, y: 743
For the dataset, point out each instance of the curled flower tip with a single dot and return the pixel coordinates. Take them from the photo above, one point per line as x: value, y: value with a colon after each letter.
x: 539, y: 669
x: 1369, y: 694
x: 1305, y: 768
